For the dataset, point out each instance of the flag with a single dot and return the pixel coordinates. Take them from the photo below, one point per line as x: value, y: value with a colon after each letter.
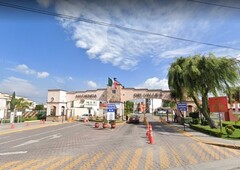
x: 110, y: 82
x: 116, y: 83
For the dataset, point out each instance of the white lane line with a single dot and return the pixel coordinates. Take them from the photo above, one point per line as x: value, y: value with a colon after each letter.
x: 4, y: 137
x: 13, y: 153
x: 39, y: 134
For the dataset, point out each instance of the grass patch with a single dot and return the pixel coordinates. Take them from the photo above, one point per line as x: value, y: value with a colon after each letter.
x: 216, y: 132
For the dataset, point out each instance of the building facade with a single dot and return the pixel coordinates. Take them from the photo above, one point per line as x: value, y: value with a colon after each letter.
x: 73, y: 104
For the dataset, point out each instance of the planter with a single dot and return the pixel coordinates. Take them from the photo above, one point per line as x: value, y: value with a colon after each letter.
x: 105, y: 125
x: 96, y: 125
x: 113, y: 126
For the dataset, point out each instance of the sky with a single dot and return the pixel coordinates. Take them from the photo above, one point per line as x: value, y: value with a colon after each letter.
x: 40, y: 52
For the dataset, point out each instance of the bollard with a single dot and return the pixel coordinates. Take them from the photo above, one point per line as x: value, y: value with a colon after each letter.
x: 12, y: 126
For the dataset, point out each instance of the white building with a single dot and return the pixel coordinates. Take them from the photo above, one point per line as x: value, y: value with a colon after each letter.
x: 4, y: 98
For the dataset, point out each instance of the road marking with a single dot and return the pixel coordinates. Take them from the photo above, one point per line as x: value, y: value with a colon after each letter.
x: 236, y: 152
x: 93, y: 160
x: 104, y: 164
x: 55, y: 165
x: 199, y: 152
x: 135, y: 159
x: 39, y: 134
x: 38, y: 140
x: 43, y: 163
x: 149, y: 160
x: 121, y: 160
x: 211, y: 152
x: 222, y: 151
x: 164, y: 161
x: 12, y: 153
x: 9, y: 164
x: 189, y: 156
x: 4, y: 137
x: 25, y: 164
x: 75, y: 162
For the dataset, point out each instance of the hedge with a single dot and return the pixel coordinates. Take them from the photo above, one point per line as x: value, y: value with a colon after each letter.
x: 209, y: 132
x: 235, y: 126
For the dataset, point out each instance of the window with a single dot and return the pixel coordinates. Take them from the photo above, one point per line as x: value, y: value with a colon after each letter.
x: 72, y: 104
x: 113, y: 91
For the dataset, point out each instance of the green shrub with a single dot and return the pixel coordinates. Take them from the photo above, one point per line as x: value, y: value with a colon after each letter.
x: 206, y: 131
x: 195, y: 121
x: 204, y: 122
x: 194, y: 115
x: 185, y: 120
x: 229, y: 129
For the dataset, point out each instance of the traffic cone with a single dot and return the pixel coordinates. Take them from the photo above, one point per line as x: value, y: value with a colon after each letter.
x: 84, y: 120
x: 27, y: 124
x: 12, y: 126
x: 151, y: 141
x: 40, y: 122
x: 43, y: 121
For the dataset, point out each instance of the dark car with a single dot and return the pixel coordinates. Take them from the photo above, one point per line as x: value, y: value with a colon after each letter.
x: 134, y: 119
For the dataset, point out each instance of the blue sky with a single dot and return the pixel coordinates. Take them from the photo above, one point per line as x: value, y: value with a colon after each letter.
x: 40, y: 52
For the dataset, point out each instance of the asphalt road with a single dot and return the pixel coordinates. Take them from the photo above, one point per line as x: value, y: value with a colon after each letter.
x: 81, y: 146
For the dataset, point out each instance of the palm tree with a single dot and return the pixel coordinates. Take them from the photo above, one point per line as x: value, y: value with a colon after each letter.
x: 21, y: 104
x: 198, y: 76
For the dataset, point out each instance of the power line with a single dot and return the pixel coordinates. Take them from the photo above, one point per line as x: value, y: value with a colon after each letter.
x: 214, y: 4
x: 81, y: 19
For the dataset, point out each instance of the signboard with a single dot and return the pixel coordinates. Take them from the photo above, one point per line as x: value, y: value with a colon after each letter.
x: 1, y: 114
x: 182, y: 106
x: 111, y: 109
x: 218, y: 104
x: 12, y: 117
x: 19, y: 113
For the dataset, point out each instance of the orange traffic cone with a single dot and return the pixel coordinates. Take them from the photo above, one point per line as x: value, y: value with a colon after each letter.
x: 12, y: 126
x: 151, y: 141
x: 84, y: 120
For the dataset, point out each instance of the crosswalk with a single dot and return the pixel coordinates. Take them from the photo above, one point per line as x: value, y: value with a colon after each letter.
x: 157, y: 157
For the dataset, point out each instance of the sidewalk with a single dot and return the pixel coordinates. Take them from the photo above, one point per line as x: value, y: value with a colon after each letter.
x: 6, y: 128
x: 198, y: 136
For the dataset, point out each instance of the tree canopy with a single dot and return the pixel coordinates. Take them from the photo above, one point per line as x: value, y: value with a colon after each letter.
x: 197, y: 76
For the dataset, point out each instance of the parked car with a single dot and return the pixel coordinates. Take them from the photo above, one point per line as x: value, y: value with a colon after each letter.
x: 134, y: 119
x: 84, y: 116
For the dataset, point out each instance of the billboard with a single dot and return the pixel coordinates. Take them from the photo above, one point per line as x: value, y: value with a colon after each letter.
x: 218, y: 104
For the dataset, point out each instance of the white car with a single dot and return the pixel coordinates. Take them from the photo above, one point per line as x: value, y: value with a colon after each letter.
x: 84, y: 116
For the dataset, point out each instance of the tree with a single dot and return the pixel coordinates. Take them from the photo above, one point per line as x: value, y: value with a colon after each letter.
x: 21, y: 104
x: 13, y: 101
x: 39, y: 107
x: 198, y: 76
x: 128, y: 107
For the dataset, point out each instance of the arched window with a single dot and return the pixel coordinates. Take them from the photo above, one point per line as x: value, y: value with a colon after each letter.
x: 62, y: 111
x: 53, y: 111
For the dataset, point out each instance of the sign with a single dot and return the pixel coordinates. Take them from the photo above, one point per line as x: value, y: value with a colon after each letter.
x: 218, y: 104
x: 12, y: 117
x: 19, y: 113
x: 182, y: 106
x: 147, y: 95
x: 1, y: 114
x: 111, y: 109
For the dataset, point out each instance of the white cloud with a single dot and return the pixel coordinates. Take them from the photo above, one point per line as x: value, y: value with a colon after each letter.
x: 42, y: 74
x: 70, y: 78
x: 154, y: 83
x: 20, y: 86
x: 91, y: 84
x: 126, y: 49
x: 23, y: 68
